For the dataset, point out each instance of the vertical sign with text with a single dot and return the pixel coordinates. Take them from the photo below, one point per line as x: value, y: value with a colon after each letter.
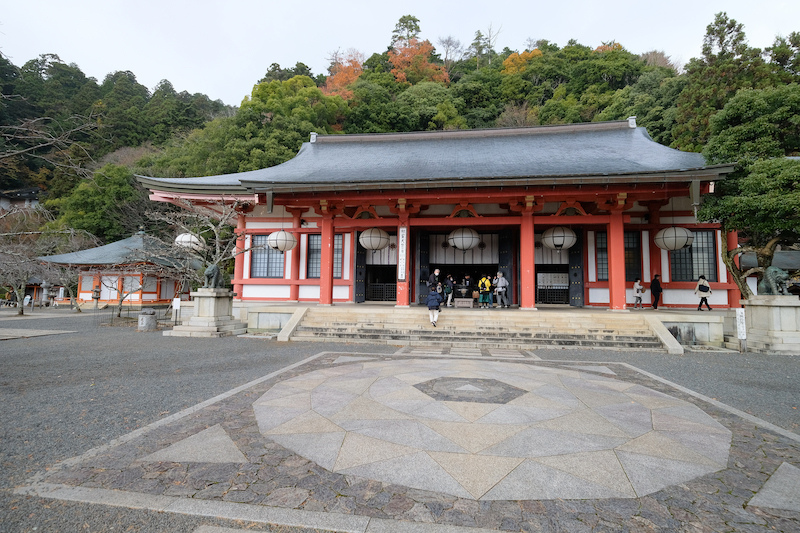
x: 741, y: 324
x: 402, y: 252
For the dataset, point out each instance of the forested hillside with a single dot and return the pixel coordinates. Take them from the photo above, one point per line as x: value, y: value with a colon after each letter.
x: 55, y: 120
x: 57, y: 123
x: 414, y: 85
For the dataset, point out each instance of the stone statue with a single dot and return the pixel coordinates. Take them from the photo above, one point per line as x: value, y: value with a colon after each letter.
x: 774, y: 281
x: 214, y: 279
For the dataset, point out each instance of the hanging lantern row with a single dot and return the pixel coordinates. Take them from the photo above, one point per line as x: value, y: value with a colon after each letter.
x: 374, y: 239
x: 281, y: 241
x: 559, y: 238
x: 673, y: 238
x: 464, y: 238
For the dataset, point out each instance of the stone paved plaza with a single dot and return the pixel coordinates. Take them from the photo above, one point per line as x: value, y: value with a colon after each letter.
x: 438, y: 440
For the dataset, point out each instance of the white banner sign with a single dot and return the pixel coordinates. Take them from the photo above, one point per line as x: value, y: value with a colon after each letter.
x: 176, y: 303
x: 741, y: 325
x: 402, y: 252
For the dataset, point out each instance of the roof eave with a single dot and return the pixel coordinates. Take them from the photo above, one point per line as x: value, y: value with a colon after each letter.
x: 711, y: 173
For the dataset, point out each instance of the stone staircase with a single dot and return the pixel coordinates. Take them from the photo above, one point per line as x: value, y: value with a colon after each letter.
x: 478, y: 328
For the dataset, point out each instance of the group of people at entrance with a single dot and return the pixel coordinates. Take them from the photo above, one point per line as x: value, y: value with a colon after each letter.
x: 442, y: 291
x: 702, y: 290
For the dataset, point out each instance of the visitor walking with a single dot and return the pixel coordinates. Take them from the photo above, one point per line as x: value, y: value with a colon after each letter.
x: 655, y: 290
x: 702, y: 290
x: 485, y: 292
x: 435, y: 281
x: 434, y: 301
x: 449, y: 286
x: 501, y: 289
x: 638, y: 291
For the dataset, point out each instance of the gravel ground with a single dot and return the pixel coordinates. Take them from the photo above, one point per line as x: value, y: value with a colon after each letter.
x: 766, y: 386
x: 64, y: 394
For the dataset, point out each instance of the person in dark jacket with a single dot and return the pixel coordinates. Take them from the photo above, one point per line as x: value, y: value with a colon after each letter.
x: 655, y: 290
x: 435, y: 281
x: 434, y: 301
x: 449, y: 286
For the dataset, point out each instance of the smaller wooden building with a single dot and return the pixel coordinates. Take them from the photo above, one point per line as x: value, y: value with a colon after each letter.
x: 129, y: 267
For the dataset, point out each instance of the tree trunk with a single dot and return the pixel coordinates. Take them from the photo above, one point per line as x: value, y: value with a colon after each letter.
x: 72, y: 301
x: 20, y: 300
x: 766, y: 253
x: 739, y: 277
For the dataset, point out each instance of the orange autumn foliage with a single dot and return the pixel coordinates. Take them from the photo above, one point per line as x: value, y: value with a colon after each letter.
x: 516, y: 63
x: 608, y: 47
x: 412, y: 64
x: 343, y: 73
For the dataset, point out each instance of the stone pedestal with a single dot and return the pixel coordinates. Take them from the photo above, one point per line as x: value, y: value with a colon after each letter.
x: 212, y: 317
x: 773, y: 324
x: 148, y: 321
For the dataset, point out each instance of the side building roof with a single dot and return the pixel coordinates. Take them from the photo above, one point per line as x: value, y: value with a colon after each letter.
x: 605, y: 152
x: 139, y: 248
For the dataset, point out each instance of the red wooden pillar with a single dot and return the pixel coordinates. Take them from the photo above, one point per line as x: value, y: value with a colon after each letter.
x: 326, y: 261
x: 294, y: 266
x: 616, y: 262
x: 527, y: 263
x: 403, y: 261
x: 734, y: 294
x: 238, y: 261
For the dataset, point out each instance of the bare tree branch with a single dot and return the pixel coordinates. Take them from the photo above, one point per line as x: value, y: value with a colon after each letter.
x: 50, y: 140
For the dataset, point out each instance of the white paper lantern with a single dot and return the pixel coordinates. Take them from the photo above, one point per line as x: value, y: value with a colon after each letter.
x: 559, y: 238
x: 464, y: 238
x: 673, y: 238
x: 374, y: 239
x: 191, y: 241
x: 281, y: 240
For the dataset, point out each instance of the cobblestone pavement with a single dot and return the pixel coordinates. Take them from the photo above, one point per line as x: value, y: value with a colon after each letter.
x: 213, y: 459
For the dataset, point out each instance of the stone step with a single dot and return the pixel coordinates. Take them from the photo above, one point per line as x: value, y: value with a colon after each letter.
x: 476, y: 324
x: 731, y: 343
x: 452, y: 331
x: 394, y: 313
x: 189, y: 331
x: 476, y: 328
x: 483, y: 342
x: 450, y: 336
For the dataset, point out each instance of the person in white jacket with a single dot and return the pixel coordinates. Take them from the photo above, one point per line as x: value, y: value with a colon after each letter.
x: 638, y: 291
x: 703, y: 291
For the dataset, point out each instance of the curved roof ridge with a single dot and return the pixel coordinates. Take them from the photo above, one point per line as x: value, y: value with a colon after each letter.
x: 466, y: 134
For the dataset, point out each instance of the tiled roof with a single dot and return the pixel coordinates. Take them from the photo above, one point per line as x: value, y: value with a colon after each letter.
x: 577, y: 153
x: 136, y: 249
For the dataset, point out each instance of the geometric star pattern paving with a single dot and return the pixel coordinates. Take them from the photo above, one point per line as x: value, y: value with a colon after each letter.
x: 569, y: 433
x: 471, y: 390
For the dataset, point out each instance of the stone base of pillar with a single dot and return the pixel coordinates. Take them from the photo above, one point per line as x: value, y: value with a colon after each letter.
x: 212, y: 317
x: 773, y: 324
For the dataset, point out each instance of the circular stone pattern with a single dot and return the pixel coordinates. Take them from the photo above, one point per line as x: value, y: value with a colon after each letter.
x: 529, y: 432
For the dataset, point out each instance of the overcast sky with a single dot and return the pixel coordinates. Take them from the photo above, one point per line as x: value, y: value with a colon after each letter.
x: 223, y: 48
